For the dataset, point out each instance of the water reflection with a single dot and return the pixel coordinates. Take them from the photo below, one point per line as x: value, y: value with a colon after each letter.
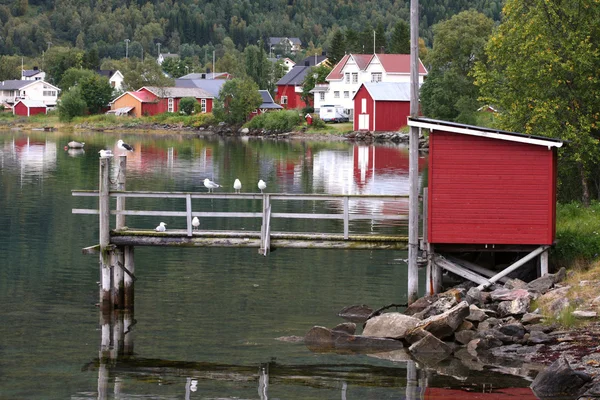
x: 35, y: 159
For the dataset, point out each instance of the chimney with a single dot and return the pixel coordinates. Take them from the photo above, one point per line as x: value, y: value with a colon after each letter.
x: 36, y: 69
x: 203, y: 76
x: 323, y: 53
x: 307, y: 63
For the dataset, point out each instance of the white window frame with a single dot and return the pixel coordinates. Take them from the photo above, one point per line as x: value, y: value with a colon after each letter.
x: 376, y: 76
x: 346, y: 94
x: 284, y: 99
x: 347, y: 75
x: 203, y: 105
x: 322, y: 96
x: 336, y: 94
x: 355, y: 77
x: 170, y: 105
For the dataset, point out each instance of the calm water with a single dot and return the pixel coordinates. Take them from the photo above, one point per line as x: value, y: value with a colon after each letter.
x: 206, y: 319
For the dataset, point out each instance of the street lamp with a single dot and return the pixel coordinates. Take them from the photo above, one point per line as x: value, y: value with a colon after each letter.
x: 126, y: 49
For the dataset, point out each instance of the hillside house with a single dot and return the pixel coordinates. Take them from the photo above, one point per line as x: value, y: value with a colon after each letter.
x: 283, y: 45
x: 34, y: 74
x: 115, y: 78
x: 163, y: 56
x: 154, y: 100
x: 289, y: 88
x: 355, y: 69
x: 12, y: 91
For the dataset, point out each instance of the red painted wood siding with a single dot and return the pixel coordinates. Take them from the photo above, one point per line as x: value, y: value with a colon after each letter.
x: 293, y: 98
x: 21, y: 109
x: 490, y: 191
x: 383, y: 115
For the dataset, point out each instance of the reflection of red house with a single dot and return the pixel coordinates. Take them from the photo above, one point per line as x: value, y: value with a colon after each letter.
x: 379, y: 160
x: 154, y: 100
x: 381, y: 106
x: 498, y: 394
x: 28, y: 108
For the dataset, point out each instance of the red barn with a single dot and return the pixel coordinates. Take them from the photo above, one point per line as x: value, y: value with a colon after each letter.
x: 490, y: 190
x: 289, y: 88
x: 29, y: 107
x: 381, y: 106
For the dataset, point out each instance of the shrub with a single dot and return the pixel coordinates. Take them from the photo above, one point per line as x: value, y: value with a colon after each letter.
x: 71, y: 105
x: 187, y: 105
x: 276, y: 121
x: 318, y: 123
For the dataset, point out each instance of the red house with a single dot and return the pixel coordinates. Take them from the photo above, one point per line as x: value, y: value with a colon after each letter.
x: 490, y: 191
x: 29, y: 107
x: 381, y: 106
x: 289, y: 88
x: 155, y: 100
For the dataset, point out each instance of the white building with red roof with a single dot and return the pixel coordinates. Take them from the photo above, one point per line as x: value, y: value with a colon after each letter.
x: 355, y: 69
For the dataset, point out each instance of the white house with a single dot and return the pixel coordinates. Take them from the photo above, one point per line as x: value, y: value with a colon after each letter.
x: 34, y: 74
x: 163, y: 56
x: 355, y: 69
x: 12, y: 91
x: 285, y: 44
x: 115, y: 78
x: 286, y: 62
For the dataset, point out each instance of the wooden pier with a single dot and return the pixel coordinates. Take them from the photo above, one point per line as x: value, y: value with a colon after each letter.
x: 116, y: 246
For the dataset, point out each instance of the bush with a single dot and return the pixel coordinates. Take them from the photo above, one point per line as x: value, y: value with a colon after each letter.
x: 276, y: 121
x: 187, y: 105
x: 318, y: 123
x: 71, y: 105
x: 203, y: 119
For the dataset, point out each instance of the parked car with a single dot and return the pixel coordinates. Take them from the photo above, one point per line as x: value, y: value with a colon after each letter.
x: 329, y: 113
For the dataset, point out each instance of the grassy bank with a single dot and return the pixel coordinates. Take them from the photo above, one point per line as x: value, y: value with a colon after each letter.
x: 578, y: 234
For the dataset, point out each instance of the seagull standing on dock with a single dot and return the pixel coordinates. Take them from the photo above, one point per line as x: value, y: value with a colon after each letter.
x: 105, y: 153
x: 161, y: 227
x: 262, y: 185
x: 195, y: 223
x: 210, y: 185
x: 237, y: 185
x: 124, y: 146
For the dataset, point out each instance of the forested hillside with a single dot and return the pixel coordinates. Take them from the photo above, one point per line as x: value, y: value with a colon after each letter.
x: 196, y: 27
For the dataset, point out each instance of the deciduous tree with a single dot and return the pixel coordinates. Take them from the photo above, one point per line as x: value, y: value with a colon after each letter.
x: 236, y: 100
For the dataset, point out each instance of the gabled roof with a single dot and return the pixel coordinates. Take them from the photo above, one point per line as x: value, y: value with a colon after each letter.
x: 212, y: 86
x: 268, y: 100
x: 16, y: 84
x: 207, y: 75
x: 433, y: 125
x: 178, y: 92
x: 387, y: 91
x: 276, y: 40
x: 30, y: 72
x: 32, y: 103
x: 391, y: 63
x: 295, y: 76
x: 310, y: 61
x: 108, y: 73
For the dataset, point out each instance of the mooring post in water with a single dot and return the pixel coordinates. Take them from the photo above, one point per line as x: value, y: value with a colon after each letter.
x: 104, y: 229
x: 128, y: 333
x: 411, y: 381
x: 121, y: 186
x: 129, y: 279
x: 118, y: 283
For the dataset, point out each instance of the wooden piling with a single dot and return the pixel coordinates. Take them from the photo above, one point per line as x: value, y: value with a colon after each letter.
x: 117, y: 289
x: 128, y: 279
x: 104, y: 214
x: 121, y: 186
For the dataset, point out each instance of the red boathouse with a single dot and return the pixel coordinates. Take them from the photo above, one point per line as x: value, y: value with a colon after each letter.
x: 29, y: 107
x: 489, y: 190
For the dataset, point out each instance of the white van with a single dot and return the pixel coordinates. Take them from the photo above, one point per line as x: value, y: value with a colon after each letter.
x: 330, y: 113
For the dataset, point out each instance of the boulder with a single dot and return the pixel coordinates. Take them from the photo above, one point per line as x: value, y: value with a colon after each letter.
x: 515, y: 330
x: 476, y: 296
x: 430, y: 350
x: 508, y: 294
x: 518, y: 306
x: 356, y: 313
x: 346, y: 327
x: 438, y: 307
x: 464, y: 337
x: 515, y: 284
x: 319, y: 338
x: 489, y: 323
x: 476, y: 314
x: 581, y: 314
x: 539, y: 337
x: 532, y: 318
x: 479, y: 345
x: 466, y: 326
x: 444, y: 325
x: 559, y: 380
x: 542, y: 284
x: 390, y: 325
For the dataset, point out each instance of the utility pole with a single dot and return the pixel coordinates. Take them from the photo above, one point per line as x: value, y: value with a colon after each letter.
x: 158, y: 45
x: 374, y: 34
x: 126, y: 50
x: 413, y: 169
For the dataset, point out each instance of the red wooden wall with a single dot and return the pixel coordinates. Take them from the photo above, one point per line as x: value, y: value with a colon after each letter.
x: 294, y: 100
x: 21, y: 109
x: 490, y: 191
x: 383, y: 115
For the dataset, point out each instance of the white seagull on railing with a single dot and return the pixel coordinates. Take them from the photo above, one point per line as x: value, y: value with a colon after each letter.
x: 195, y: 223
x: 237, y: 185
x: 161, y: 227
x: 210, y: 185
x: 124, y: 146
x: 262, y: 185
x: 105, y: 153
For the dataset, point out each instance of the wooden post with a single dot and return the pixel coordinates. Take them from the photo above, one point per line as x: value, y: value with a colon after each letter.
x: 104, y: 211
x: 118, y: 263
x: 346, y: 217
x: 129, y: 278
x: 128, y: 332
x: 413, y: 169
x: 121, y: 182
x: 544, y: 263
x: 188, y: 210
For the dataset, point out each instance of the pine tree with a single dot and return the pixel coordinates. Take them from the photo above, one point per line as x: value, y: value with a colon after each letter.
x: 337, y: 47
x: 400, y: 41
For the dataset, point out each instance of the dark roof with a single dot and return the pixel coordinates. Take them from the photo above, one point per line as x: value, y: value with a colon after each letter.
x: 295, y: 76
x: 273, y: 41
x: 268, y: 100
x: 311, y: 60
x: 30, y: 72
x: 14, y: 84
x: 212, y: 86
x: 456, y: 125
x: 105, y: 72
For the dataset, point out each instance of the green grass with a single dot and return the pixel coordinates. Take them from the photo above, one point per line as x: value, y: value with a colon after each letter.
x: 578, y: 234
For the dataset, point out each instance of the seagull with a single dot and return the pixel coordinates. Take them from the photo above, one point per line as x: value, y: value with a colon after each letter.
x: 262, y: 185
x: 237, y: 185
x: 195, y: 223
x: 75, y: 145
x: 161, y: 227
x: 210, y: 185
x: 105, y: 153
x: 124, y: 146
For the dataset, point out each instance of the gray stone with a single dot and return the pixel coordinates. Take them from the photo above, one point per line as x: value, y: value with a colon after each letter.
x: 430, y: 350
x: 476, y: 296
x: 517, y: 306
x: 559, y: 380
x: 596, y: 301
x: 356, y: 313
x: 476, y: 314
x: 479, y: 345
x: 539, y: 337
x: 532, y: 318
x: 515, y: 330
x: 542, y: 284
x: 420, y: 304
x: 515, y: 284
x: 489, y: 323
x: 319, y: 338
x: 244, y: 131
x: 466, y: 326
x: 438, y: 307
x: 581, y: 314
x: 445, y: 324
x: 464, y: 337
x: 558, y: 305
x: 346, y: 327
x: 496, y: 335
x: 391, y: 325
x: 508, y: 294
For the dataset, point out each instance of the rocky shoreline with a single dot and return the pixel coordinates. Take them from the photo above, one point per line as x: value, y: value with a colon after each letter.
x: 466, y: 328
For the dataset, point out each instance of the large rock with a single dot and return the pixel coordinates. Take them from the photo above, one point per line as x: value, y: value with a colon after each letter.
x: 390, y: 325
x: 356, y: 313
x: 476, y: 314
x: 430, y: 350
x: 508, y: 294
x: 444, y: 325
x: 464, y: 337
x: 559, y: 380
x: 476, y: 346
x: 320, y: 339
x: 518, y: 306
x: 346, y: 327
